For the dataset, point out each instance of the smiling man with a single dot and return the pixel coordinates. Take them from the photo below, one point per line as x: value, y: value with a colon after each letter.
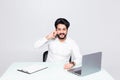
x: 61, y: 47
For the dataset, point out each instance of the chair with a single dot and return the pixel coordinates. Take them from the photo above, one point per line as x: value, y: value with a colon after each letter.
x: 45, y: 56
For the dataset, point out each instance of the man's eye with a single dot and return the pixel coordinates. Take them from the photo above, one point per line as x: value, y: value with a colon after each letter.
x: 64, y: 29
x: 59, y: 29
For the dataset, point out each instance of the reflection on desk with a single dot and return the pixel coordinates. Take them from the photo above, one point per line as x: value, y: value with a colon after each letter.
x: 55, y: 71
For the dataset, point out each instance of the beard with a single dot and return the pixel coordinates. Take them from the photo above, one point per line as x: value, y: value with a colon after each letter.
x: 61, y: 36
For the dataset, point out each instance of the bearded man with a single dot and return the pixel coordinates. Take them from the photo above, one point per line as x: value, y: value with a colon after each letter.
x: 61, y: 47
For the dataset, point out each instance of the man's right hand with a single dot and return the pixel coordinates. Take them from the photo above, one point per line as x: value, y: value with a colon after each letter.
x: 52, y: 35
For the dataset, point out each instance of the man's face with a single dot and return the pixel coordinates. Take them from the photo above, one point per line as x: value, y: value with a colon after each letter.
x: 61, y: 31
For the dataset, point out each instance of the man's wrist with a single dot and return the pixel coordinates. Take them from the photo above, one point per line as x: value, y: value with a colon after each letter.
x: 47, y: 37
x: 73, y: 63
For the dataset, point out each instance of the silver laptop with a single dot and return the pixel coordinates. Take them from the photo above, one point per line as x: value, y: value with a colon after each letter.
x: 91, y: 63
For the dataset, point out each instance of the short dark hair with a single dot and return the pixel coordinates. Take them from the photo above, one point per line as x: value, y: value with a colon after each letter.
x: 62, y: 21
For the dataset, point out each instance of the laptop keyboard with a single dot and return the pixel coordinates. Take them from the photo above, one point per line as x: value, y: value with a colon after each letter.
x: 78, y: 72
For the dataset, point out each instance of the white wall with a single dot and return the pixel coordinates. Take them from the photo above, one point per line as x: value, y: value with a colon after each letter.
x: 95, y: 25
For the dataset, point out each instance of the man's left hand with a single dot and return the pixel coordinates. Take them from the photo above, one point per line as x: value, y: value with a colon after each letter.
x: 68, y: 66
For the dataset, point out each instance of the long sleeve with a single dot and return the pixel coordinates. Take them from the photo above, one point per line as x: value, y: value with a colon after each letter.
x: 76, y: 54
x: 40, y: 43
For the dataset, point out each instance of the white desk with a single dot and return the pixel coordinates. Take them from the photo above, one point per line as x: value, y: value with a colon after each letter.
x: 53, y: 72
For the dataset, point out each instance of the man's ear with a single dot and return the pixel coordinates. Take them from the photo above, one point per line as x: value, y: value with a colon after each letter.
x: 55, y: 29
x: 56, y: 33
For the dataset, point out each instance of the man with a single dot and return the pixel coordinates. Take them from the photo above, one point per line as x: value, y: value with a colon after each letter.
x: 61, y: 47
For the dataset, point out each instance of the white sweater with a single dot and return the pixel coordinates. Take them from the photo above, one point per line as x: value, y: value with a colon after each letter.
x: 61, y: 51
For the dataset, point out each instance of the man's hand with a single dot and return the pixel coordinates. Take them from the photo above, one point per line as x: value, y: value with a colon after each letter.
x: 68, y: 65
x: 52, y: 35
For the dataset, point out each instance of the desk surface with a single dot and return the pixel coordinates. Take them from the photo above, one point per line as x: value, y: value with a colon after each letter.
x: 53, y: 72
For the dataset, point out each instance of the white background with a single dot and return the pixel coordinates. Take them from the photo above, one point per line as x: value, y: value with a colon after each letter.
x: 95, y: 25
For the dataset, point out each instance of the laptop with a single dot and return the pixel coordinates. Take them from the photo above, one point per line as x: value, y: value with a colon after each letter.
x: 91, y: 63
